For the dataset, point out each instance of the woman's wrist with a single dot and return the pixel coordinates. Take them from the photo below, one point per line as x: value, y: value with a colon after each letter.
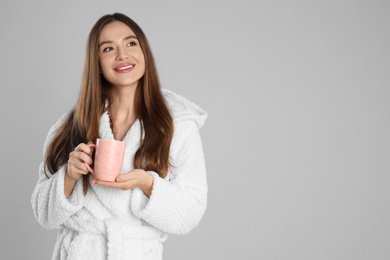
x: 69, y: 176
x: 147, y: 186
x: 69, y: 184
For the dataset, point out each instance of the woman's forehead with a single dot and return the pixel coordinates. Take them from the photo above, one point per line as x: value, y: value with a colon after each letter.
x: 115, y: 31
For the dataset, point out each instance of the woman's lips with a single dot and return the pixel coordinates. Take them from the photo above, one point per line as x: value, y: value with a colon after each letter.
x: 124, y: 67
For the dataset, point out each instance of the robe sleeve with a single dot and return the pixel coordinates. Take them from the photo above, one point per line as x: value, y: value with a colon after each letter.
x: 176, y: 206
x: 51, y: 207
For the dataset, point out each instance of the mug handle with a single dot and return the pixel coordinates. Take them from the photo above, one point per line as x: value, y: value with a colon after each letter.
x: 86, y: 164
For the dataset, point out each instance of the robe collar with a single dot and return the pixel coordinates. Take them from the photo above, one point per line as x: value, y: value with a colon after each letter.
x: 132, y: 137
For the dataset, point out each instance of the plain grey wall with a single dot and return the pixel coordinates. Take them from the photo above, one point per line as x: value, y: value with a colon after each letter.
x: 297, y: 139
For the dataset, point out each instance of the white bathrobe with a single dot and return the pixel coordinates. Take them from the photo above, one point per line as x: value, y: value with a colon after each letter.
x: 110, y: 223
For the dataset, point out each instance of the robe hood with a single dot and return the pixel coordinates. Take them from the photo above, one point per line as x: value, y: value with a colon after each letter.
x: 183, y: 109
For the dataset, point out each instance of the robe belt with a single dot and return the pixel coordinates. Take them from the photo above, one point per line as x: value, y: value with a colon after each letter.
x: 117, y: 232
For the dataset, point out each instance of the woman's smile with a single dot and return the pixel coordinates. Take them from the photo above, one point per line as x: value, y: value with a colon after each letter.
x: 124, y: 67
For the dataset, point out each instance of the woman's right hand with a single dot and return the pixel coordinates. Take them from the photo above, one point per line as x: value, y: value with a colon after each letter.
x: 76, y: 164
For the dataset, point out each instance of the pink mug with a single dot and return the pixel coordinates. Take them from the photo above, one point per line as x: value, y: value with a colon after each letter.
x: 108, y: 159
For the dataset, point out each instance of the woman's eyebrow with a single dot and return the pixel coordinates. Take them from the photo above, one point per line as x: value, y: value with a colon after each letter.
x: 126, y: 38
x: 130, y: 37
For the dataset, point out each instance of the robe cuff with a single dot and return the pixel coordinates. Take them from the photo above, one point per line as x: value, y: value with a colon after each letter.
x: 76, y: 199
x: 140, y: 203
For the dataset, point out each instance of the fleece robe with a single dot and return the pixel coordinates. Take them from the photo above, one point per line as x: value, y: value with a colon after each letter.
x: 110, y: 223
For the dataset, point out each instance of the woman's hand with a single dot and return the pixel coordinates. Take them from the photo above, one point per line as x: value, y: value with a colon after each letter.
x: 76, y: 164
x: 136, y: 178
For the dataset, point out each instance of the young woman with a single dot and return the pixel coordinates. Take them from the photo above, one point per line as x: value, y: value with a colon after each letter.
x: 162, y: 189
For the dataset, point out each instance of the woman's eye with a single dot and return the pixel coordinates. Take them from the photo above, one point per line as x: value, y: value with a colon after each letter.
x: 131, y: 44
x: 107, y: 49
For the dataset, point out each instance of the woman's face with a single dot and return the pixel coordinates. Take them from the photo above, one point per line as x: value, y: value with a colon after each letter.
x: 121, y: 58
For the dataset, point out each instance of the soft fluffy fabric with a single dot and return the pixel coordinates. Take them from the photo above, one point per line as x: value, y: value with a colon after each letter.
x: 110, y: 223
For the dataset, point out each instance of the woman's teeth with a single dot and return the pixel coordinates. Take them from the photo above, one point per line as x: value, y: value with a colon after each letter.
x: 127, y: 67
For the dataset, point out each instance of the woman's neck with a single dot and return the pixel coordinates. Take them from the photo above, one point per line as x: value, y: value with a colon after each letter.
x: 122, y: 108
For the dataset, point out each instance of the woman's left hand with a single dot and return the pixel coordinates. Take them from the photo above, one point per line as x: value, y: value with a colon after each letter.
x: 136, y: 178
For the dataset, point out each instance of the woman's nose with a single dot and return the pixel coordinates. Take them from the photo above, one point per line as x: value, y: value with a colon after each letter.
x: 121, y: 54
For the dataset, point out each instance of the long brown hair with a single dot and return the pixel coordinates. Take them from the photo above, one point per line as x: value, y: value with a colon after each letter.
x: 151, y: 109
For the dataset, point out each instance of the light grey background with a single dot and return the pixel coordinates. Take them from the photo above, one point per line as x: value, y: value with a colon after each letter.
x: 297, y: 139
